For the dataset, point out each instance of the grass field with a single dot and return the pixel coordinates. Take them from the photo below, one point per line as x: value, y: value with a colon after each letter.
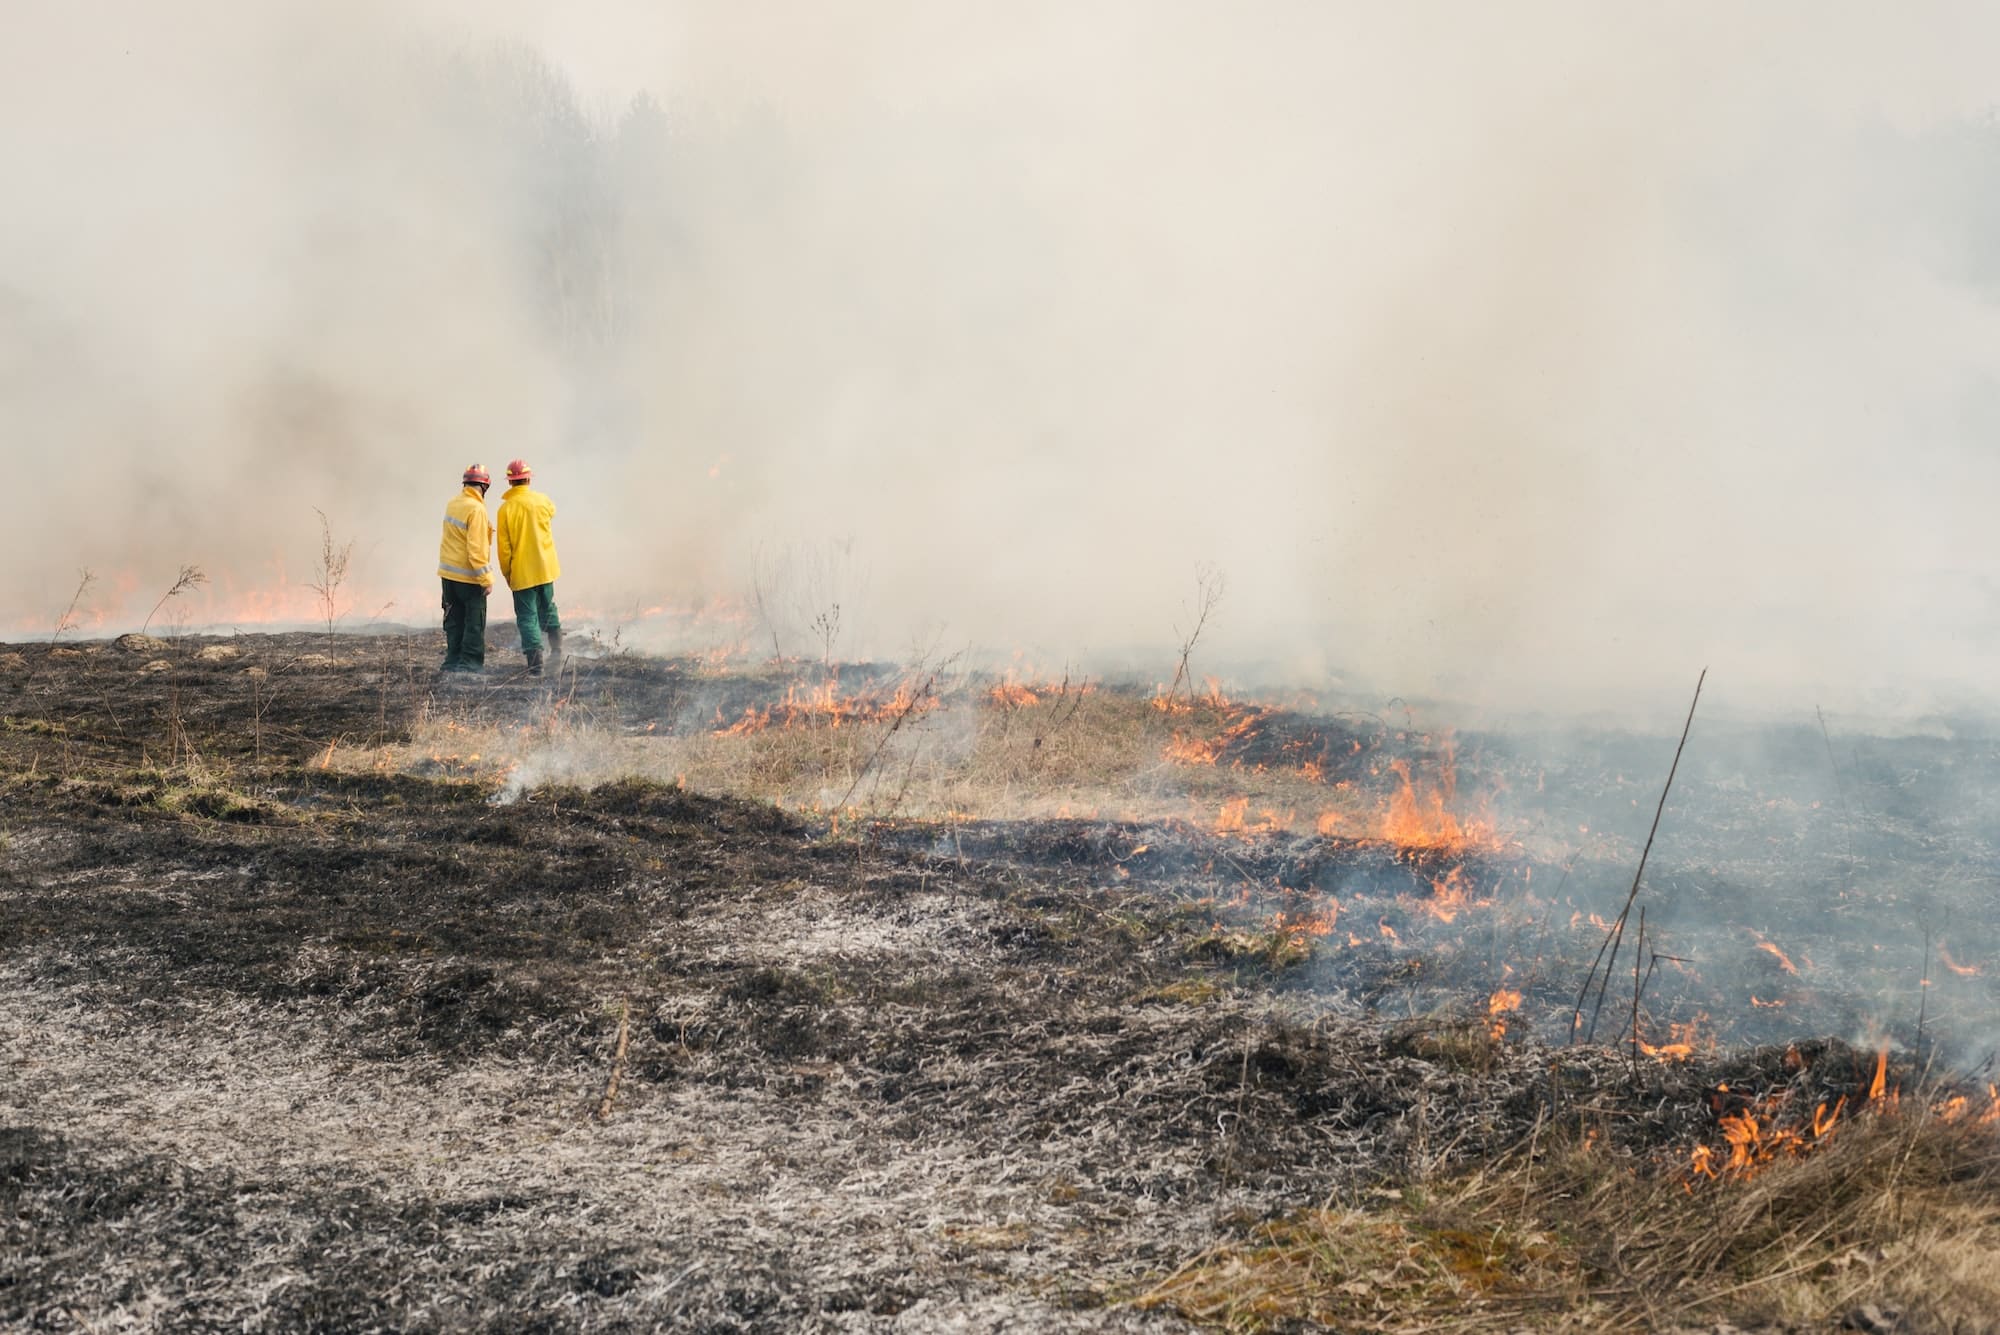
x: 650, y: 995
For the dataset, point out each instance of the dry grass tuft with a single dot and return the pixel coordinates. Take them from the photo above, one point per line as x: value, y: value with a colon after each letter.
x: 1359, y: 1270
x: 1092, y: 753
x: 1901, y: 1212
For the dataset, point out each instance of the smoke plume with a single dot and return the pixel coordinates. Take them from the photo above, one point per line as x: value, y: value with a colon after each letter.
x: 1536, y: 353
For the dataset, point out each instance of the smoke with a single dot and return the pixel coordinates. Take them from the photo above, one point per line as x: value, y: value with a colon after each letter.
x: 1538, y: 354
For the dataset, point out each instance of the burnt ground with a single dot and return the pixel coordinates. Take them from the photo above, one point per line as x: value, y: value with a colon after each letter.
x: 284, y: 1047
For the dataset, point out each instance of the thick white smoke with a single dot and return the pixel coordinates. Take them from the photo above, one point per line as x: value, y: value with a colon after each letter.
x: 1536, y: 352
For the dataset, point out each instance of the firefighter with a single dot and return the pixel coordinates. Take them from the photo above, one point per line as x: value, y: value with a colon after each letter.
x: 528, y: 564
x: 465, y: 566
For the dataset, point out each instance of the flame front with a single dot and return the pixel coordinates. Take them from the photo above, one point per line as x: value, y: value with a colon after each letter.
x: 1784, y: 960
x: 1424, y: 818
x: 824, y: 706
x: 1757, y: 1134
x: 1683, y: 1038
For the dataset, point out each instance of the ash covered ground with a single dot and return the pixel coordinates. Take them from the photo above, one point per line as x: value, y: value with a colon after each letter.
x: 287, y: 1044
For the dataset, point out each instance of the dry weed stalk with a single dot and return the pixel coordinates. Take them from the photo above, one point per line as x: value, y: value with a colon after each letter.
x: 1839, y: 792
x: 1063, y: 712
x: 617, y: 1061
x: 759, y: 576
x: 1209, y: 586
x: 1615, y: 937
x: 260, y: 704
x: 331, y: 572
x: 190, y: 577
x: 923, y: 695
x: 67, y: 621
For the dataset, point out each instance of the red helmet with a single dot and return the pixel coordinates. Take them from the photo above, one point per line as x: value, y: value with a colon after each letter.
x: 518, y: 471
x: 477, y: 476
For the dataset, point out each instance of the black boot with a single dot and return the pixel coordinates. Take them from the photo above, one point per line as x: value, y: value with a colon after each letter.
x: 534, y: 662
x: 555, y: 647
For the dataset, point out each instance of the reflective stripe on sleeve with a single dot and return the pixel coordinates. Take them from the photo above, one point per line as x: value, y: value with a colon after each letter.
x: 455, y: 523
x: 461, y: 570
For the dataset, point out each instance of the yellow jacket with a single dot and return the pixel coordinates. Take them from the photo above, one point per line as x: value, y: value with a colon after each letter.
x: 465, y: 553
x: 527, y: 549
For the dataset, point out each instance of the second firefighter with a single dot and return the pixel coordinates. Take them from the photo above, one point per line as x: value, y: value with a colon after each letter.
x: 528, y: 564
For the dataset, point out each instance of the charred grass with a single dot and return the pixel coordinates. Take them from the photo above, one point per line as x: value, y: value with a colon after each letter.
x: 301, y: 1028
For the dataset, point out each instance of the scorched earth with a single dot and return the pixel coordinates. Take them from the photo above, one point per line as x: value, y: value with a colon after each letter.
x: 655, y: 994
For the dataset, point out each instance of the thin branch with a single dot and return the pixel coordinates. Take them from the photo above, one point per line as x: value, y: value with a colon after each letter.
x: 1924, y: 991
x: 1839, y: 791
x: 923, y: 693
x: 332, y: 571
x: 68, y: 619
x: 191, y: 577
x: 1638, y: 952
x: 617, y: 1061
x: 1209, y: 586
x: 1616, y: 936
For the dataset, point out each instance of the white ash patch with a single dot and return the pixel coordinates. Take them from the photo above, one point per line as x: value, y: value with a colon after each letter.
x: 922, y: 926
x: 710, y: 1179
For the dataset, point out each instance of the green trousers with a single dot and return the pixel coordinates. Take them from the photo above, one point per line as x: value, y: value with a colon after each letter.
x: 535, y: 614
x: 464, y: 626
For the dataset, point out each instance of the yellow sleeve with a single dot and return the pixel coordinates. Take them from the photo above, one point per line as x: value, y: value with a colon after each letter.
x: 506, y: 549
x: 479, y: 537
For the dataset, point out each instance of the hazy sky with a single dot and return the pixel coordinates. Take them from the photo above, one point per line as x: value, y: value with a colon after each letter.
x: 1531, y: 351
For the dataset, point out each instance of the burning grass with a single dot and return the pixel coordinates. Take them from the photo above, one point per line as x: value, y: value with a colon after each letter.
x: 906, y: 745
x: 1039, y: 1007
x: 1901, y: 1214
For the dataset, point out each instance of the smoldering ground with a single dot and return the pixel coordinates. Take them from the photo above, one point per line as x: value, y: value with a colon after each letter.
x: 297, y: 1038
x: 1536, y: 354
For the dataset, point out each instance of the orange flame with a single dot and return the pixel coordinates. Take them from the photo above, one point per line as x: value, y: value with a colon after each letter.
x: 1754, y: 1135
x: 1190, y: 750
x: 1962, y: 970
x: 1185, y: 704
x: 1450, y: 895
x: 1754, y: 1138
x: 1183, y: 750
x: 826, y: 707
x: 1318, y: 923
x: 1013, y: 695
x: 1782, y: 958
x: 1425, y: 819
x: 1682, y: 1041
x: 1234, y: 818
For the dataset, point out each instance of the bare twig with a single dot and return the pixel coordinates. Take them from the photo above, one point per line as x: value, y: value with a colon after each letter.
x: 757, y: 577
x: 922, y: 694
x: 826, y: 628
x: 191, y: 577
x: 67, y: 621
x: 1839, y: 792
x: 332, y: 571
x: 1209, y: 586
x: 1638, y: 951
x: 1924, y: 991
x: 1062, y: 709
x: 1616, y: 935
x: 617, y: 1061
